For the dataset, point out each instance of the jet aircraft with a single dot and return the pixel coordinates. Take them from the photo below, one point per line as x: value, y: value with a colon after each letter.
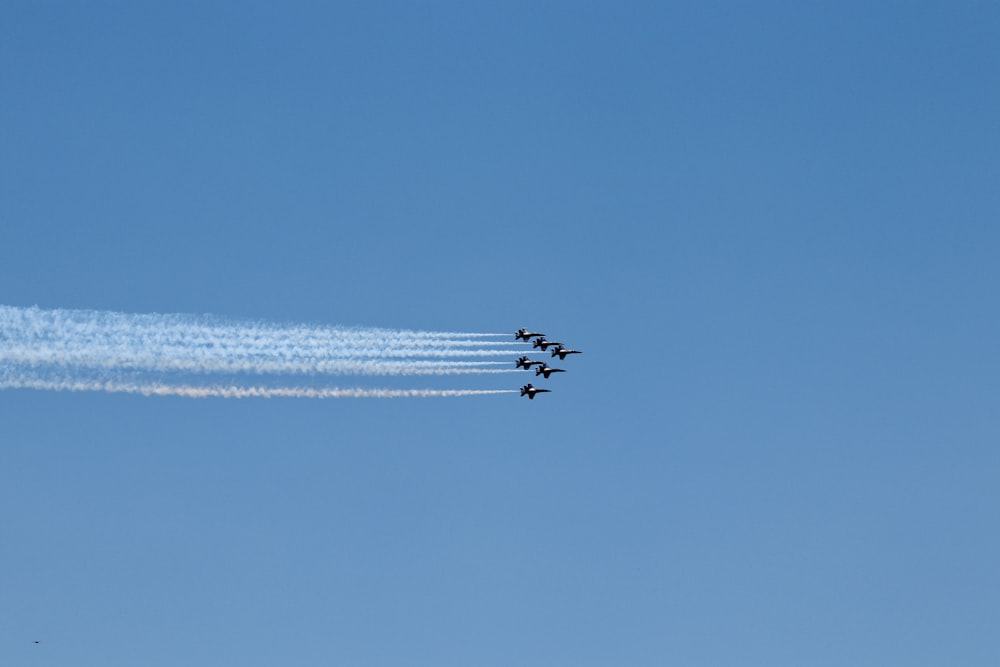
x: 546, y: 371
x: 544, y: 344
x: 526, y: 363
x: 562, y: 351
x: 526, y: 335
x: 531, y: 391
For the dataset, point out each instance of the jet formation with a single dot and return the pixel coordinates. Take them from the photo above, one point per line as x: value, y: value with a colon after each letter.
x: 558, y: 350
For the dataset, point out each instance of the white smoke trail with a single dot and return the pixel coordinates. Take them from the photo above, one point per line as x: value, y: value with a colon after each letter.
x: 189, y: 330
x: 232, y: 391
x: 232, y: 364
x: 106, y: 351
x: 95, y: 339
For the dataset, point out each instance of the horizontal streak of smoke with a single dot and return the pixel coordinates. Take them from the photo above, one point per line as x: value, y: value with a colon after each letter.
x: 158, y: 355
x: 231, y: 391
x: 184, y: 343
x: 205, y: 329
x: 257, y: 366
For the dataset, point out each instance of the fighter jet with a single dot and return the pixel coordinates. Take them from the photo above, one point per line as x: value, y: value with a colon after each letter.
x: 531, y: 391
x: 544, y: 344
x: 526, y: 335
x: 546, y: 371
x: 526, y: 363
x: 562, y: 351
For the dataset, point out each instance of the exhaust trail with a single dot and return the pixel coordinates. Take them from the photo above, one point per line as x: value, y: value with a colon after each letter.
x: 153, y: 354
x: 94, y: 339
x: 232, y: 391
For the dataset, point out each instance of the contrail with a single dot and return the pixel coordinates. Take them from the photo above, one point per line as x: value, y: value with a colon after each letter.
x: 81, y: 345
x: 231, y: 391
x: 234, y: 364
x: 118, y: 329
x: 94, y: 339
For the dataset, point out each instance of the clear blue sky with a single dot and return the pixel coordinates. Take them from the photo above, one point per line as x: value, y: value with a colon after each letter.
x: 774, y: 229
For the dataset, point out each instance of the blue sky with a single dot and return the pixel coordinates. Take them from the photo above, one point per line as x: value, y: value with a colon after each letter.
x: 771, y: 228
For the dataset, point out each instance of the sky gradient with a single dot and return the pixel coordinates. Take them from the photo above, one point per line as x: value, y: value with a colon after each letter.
x: 773, y: 230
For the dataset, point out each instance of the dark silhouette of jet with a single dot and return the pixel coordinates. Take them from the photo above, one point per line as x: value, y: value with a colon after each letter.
x: 546, y: 371
x: 526, y: 363
x: 544, y: 344
x: 526, y: 335
x: 562, y: 351
x: 531, y: 391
